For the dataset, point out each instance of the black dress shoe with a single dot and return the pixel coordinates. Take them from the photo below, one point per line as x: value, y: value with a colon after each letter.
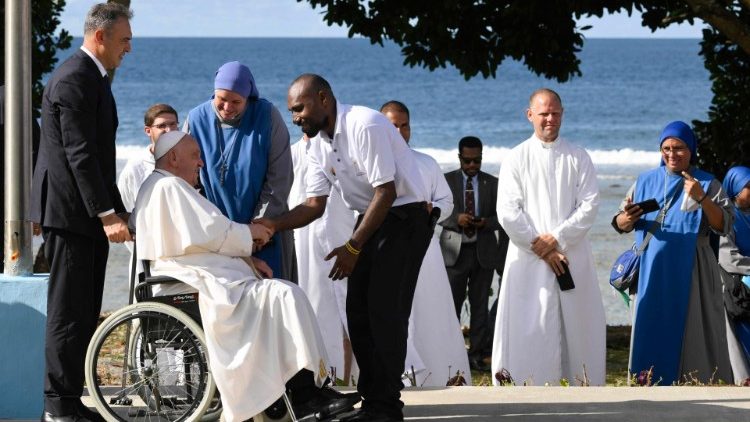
x: 335, y: 394
x: 89, y: 414
x: 362, y: 415
x: 323, y: 407
x: 48, y: 417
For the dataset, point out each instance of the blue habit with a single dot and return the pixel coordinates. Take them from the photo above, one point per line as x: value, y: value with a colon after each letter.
x: 736, y: 179
x: 235, y: 163
x: 665, y: 275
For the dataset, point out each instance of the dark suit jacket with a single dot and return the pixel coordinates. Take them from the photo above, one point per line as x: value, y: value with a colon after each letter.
x: 488, y: 251
x: 74, y: 178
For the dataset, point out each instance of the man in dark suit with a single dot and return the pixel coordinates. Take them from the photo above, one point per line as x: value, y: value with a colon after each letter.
x: 469, y: 243
x: 76, y: 201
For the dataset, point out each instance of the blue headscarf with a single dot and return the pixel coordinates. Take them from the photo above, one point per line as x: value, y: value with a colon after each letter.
x: 736, y: 180
x: 681, y: 131
x: 235, y: 76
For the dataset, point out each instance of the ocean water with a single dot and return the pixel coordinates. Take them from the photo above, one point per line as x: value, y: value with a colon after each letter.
x: 629, y: 90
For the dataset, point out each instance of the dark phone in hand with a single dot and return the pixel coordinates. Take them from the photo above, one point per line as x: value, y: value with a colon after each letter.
x: 565, y: 280
x: 476, y: 219
x: 434, y: 217
x: 649, y: 205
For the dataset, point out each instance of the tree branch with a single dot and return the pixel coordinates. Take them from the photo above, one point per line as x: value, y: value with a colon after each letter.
x: 723, y: 20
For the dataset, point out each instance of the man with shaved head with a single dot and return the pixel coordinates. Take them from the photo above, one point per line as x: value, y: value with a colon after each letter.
x: 358, y: 152
x: 549, y: 301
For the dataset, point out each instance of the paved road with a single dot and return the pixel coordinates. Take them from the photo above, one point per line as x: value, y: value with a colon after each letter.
x: 483, y: 404
x: 563, y: 404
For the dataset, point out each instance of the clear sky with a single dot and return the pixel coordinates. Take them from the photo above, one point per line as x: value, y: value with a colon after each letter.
x: 289, y: 18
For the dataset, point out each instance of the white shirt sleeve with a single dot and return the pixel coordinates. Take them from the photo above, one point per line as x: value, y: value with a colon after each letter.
x: 510, y: 206
x: 377, y: 160
x: 316, y: 179
x: 440, y: 195
x: 577, y: 225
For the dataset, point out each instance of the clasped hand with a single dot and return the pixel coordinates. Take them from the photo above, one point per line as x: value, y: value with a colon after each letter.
x: 261, y: 235
x: 116, y: 227
x: 545, y: 247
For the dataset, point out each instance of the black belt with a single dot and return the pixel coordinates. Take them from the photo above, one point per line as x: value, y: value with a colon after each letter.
x: 412, y: 205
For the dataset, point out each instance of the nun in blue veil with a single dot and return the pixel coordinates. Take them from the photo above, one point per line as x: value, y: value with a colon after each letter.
x: 734, y: 258
x: 679, y: 321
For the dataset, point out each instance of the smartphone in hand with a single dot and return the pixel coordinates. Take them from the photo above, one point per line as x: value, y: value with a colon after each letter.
x: 565, y: 280
x: 649, y: 205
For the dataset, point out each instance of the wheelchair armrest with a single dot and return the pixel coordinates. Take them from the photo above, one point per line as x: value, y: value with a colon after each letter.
x: 160, y: 279
x: 143, y: 291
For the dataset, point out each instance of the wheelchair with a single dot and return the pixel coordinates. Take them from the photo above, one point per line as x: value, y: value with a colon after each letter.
x: 148, y: 361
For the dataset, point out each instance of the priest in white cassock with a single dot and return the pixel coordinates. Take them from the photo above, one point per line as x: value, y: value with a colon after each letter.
x: 435, y: 347
x: 547, y: 201
x: 311, y: 245
x: 260, y: 333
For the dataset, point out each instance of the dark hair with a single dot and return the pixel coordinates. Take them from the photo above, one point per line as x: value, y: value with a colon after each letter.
x: 316, y: 83
x: 469, y: 142
x: 155, y: 111
x: 545, y: 91
x: 394, y: 105
x: 104, y: 15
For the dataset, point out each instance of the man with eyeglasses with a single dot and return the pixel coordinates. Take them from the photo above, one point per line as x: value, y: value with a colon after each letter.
x: 469, y: 243
x: 550, y: 319
x: 159, y: 118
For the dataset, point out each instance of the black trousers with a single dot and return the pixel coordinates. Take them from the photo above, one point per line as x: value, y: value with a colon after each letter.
x: 378, y: 305
x: 74, y: 300
x: 467, y: 272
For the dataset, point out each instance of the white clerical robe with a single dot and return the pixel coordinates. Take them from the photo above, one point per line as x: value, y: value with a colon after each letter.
x: 259, y: 333
x: 312, y: 243
x: 435, y: 346
x: 543, y: 334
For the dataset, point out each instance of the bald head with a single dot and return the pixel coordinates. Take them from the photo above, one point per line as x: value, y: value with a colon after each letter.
x: 310, y: 83
x: 312, y: 104
x: 545, y: 92
x: 398, y: 114
x: 545, y: 113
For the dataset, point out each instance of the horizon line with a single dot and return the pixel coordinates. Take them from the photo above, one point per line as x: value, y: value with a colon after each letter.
x: 655, y: 38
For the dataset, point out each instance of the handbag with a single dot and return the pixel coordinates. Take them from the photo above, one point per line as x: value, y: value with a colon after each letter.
x: 624, y: 272
x: 736, y: 297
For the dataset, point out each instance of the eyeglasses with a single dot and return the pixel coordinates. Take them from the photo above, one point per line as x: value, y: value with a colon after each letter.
x: 674, y: 150
x: 467, y: 161
x: 162, y: 126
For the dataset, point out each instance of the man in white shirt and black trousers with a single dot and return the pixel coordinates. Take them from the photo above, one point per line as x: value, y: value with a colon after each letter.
x: 359, y: 152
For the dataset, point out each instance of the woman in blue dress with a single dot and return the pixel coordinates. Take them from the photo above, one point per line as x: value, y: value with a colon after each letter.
x: 679, y: 322
x: 734, y: 258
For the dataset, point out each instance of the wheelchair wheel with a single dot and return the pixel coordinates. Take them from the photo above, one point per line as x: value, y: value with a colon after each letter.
x: 148, y: 361
x: 213, y: 411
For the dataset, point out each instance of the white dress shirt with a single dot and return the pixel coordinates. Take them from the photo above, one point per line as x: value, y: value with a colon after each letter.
x: 366, y: 152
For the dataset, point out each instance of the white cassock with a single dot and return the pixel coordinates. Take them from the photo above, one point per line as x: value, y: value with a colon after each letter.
x: 435, y: 346
x: 259, y: 333
x: 541, y: 333
x: 131, y: 177
x: 312, y: 243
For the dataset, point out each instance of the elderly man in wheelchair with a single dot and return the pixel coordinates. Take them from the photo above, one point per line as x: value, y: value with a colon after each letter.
x: 261, y: 333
